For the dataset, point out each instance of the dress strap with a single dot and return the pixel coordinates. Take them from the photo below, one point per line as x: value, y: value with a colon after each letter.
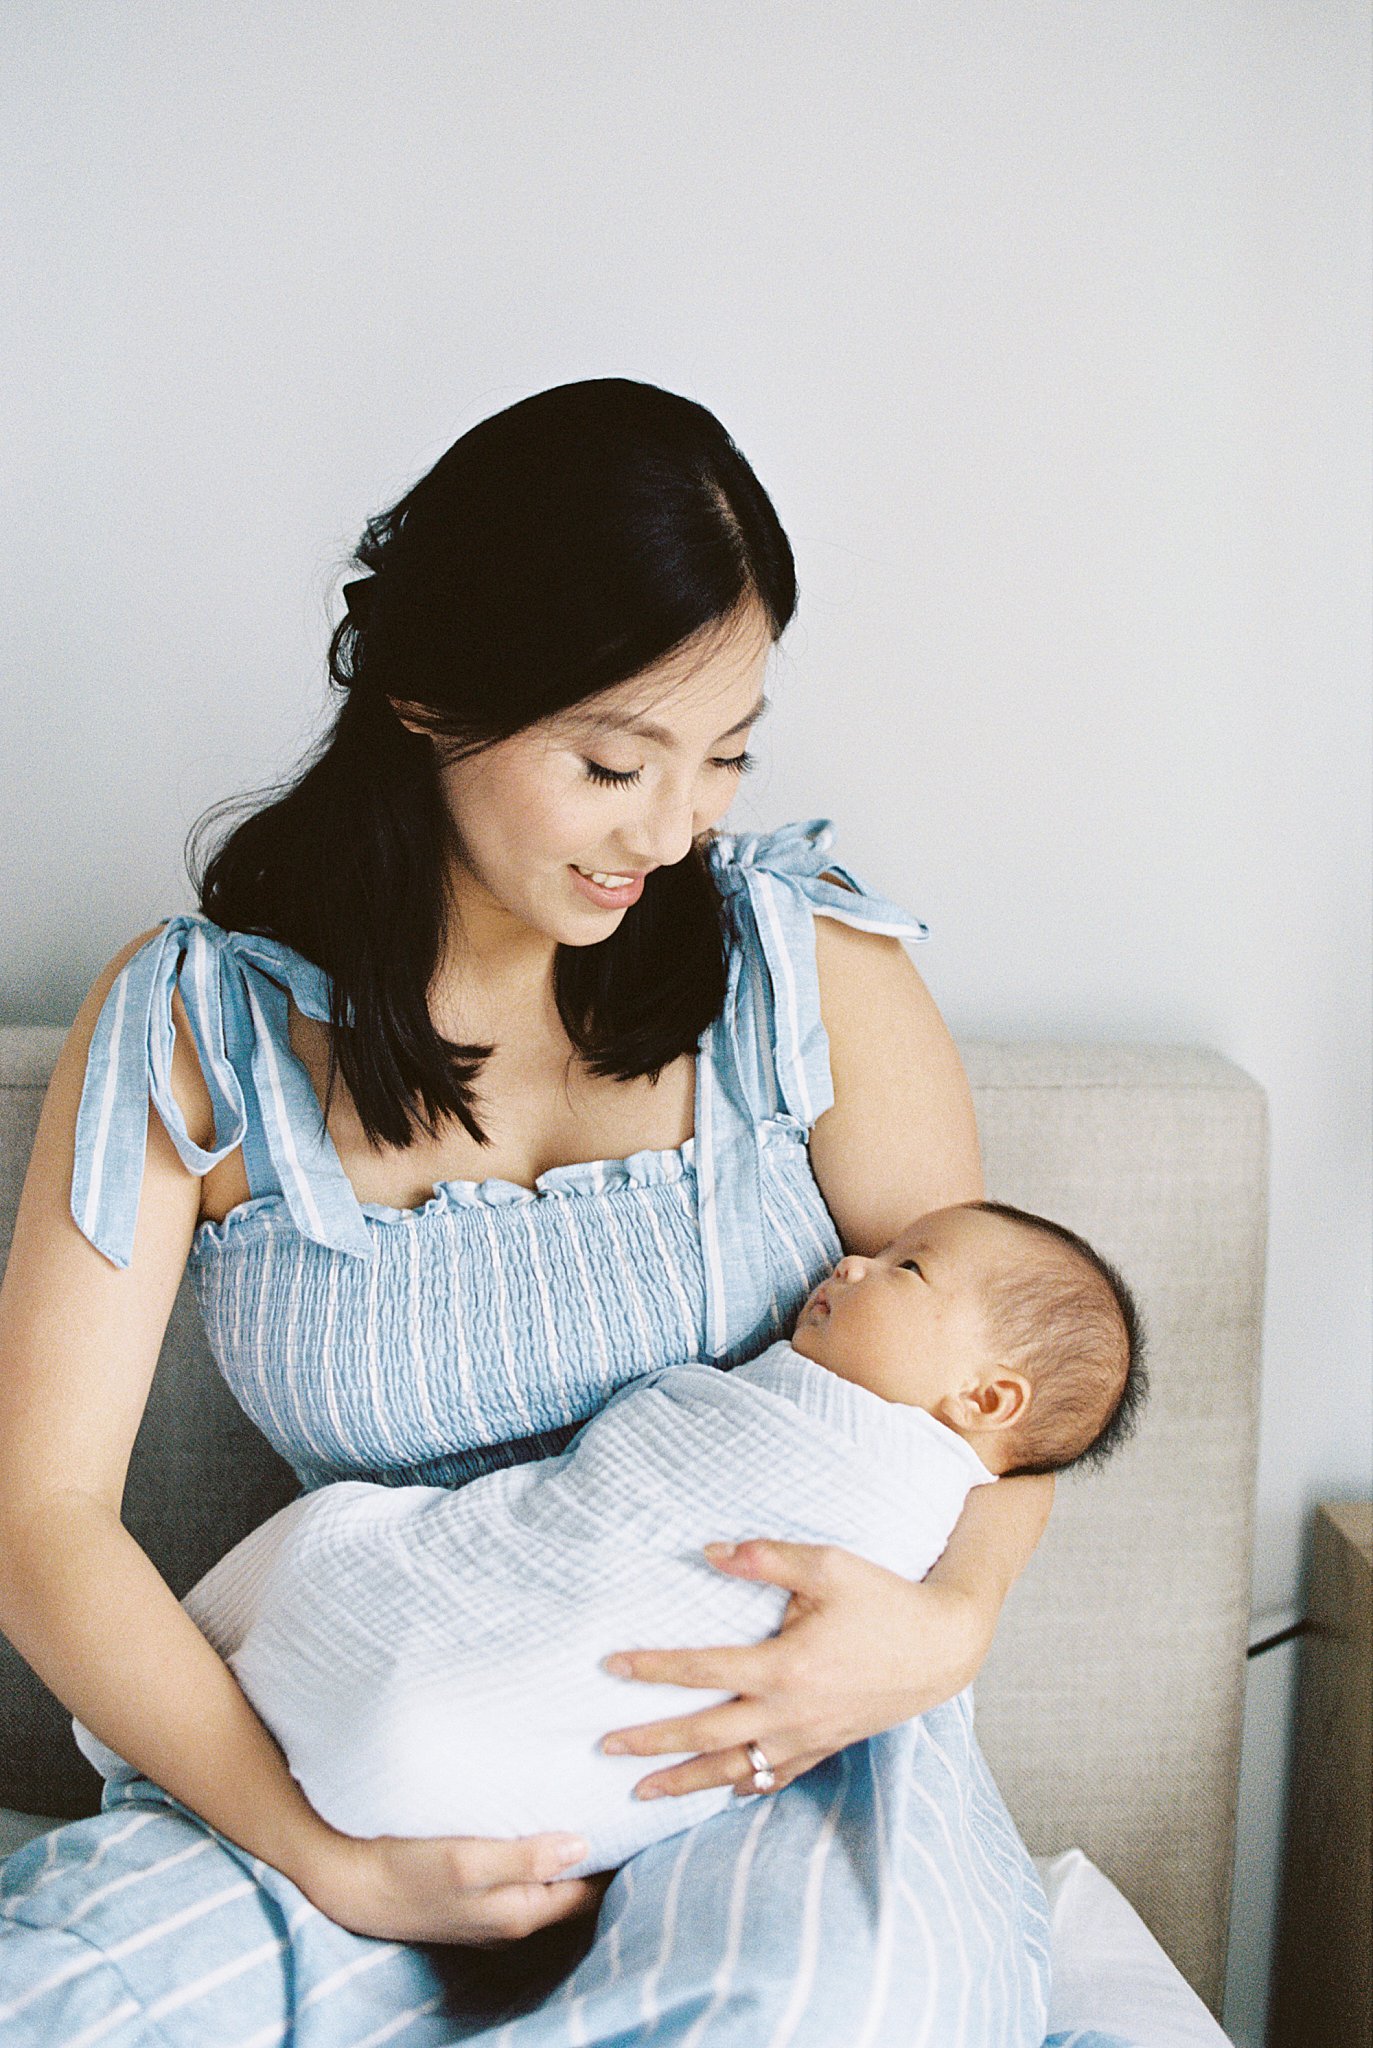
x: 767, y: 1052
x: 234, y: 987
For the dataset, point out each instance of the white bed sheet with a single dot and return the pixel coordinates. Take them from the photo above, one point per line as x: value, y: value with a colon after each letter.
x: 1112, y: 1982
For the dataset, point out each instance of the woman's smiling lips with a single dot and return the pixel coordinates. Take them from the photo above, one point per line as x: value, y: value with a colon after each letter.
x: 610, y: 898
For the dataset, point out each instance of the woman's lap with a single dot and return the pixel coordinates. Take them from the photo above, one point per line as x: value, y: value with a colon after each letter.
x: 883, y: 1900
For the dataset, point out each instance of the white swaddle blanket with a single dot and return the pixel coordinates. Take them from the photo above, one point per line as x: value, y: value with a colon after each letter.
x: 429, y: 1658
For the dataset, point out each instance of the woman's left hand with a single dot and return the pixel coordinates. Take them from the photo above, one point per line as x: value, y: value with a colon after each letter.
x: 859, y: 1649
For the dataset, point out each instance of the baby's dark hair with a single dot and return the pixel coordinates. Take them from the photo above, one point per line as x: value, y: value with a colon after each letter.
x: 1073, y: 1328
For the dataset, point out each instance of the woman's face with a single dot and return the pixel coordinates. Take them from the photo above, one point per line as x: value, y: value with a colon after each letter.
x: 531, y: 811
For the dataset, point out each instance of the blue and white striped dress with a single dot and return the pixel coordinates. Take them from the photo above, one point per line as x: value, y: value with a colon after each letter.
x: 883, y: 1900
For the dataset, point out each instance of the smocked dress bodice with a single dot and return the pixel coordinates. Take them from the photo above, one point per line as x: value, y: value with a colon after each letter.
x: 483, y: 1327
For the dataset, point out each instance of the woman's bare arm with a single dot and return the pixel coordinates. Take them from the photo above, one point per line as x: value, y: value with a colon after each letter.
x: 901, y: 1138
x: 79, y: 1599
x: 85, y: 1606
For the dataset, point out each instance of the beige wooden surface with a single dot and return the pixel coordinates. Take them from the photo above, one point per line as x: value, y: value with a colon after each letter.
x: 1323, y: 1992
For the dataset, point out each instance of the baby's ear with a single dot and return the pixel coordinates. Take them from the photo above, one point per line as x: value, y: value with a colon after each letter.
x: 1000, y: 1401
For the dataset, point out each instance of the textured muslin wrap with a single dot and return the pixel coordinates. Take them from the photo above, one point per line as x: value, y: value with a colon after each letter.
x: 429, y: 1659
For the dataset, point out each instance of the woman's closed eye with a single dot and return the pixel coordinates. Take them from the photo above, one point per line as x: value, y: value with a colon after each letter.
x: 613, y: 778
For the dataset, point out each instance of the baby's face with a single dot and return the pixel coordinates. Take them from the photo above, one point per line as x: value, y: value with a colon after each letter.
x: 908, y: 1324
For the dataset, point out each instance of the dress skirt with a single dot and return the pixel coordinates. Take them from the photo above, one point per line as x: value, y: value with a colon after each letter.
x: 882, y: 1900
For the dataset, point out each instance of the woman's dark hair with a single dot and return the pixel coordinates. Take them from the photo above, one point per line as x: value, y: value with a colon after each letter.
x: 558, y: 548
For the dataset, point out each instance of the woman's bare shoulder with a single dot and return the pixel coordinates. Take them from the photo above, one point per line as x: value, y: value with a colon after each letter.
x: 900, y: 1137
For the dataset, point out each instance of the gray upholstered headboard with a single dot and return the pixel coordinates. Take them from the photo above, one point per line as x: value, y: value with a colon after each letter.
x: 1110, y: 1708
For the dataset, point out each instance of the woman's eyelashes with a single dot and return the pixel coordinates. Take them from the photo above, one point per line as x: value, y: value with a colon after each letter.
x: 612, y: 778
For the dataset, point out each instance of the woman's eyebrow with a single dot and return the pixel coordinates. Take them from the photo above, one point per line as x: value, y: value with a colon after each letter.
x: 644, y: 729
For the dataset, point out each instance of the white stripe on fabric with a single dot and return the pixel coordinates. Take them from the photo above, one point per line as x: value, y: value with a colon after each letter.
x: 810, y: 1917
x: 263, y: 1359
x: 647, y: 1201
x: 508, y: 1358
x: 764, y: 892
x: 924, y: 2038
x: 787, y: 1242
x: 239, y: 1966
x: 373, y: 1281
x: 237, y: 1351
x: 343, y: 1450
x: 988, y: 1942
x: 734, y: 1929
x: 287, y: 1356
x: 597, y: 1321
x: 282, y: 1115
x: 626, y: 1877
x: 89, y: 1961
x: 648, y: 1993
x: 470, y: 1404
x: 131, y: 1877
x: 88, y: 2035
x: 272, y: 2036
x: 142, y: 1820
x: 633, y: 1292
x: 882, y: 1959
x: 545, y: 1301
x: 966, y: 1788
x: 303, y: 1912
x: 708, y: 1213
x: 791, y: 1194
x: 388, y: 2030
x: 94, y: 1957
x: 107, y: 1099
x: 433, y: 1429
x: 954, y: 1918
x: 975, y: 1852
x: 873, y: 924
x: 761, y: 1033
x: 147, y: 1935
x: 338, y: 1978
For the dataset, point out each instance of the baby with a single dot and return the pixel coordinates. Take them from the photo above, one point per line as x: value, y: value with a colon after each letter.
x: 430, y: 1659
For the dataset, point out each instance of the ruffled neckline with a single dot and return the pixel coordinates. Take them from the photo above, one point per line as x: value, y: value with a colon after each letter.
x: 580, y: 1178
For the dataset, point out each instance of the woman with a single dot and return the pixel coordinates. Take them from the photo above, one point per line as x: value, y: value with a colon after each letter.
x: 456, y: 1138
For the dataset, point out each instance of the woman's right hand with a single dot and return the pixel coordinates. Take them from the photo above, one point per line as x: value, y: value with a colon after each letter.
x: 451, y: 1888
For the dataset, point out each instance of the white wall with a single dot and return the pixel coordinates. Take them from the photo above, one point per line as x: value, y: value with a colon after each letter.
x: 1045, y: 325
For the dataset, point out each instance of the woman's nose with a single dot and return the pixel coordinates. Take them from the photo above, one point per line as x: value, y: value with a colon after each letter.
x: 666, y: 835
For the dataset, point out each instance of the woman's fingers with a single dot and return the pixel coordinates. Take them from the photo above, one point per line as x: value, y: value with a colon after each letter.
x: 511, y: 1911
x: 453, y: 1888
x: 727, y: 1767
x: 716, y: 1728
x: 479, y: 1863
x: 728, y: 1668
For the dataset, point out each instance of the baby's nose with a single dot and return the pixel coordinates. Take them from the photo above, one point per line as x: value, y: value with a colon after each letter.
x: 851, y: 1268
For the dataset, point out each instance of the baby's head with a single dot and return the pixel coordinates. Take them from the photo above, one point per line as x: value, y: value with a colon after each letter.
x: 1007, y: 1327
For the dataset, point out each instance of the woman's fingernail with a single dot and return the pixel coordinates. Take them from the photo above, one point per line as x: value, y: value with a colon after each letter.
x: 612, y: 1746
x: 721, y: 1549
x: 647, y: 1791
x: 570, y: 1848
x: 618, y: 1667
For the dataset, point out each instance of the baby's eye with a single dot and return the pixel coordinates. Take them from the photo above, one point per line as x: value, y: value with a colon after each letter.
x: 911, y: 1266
